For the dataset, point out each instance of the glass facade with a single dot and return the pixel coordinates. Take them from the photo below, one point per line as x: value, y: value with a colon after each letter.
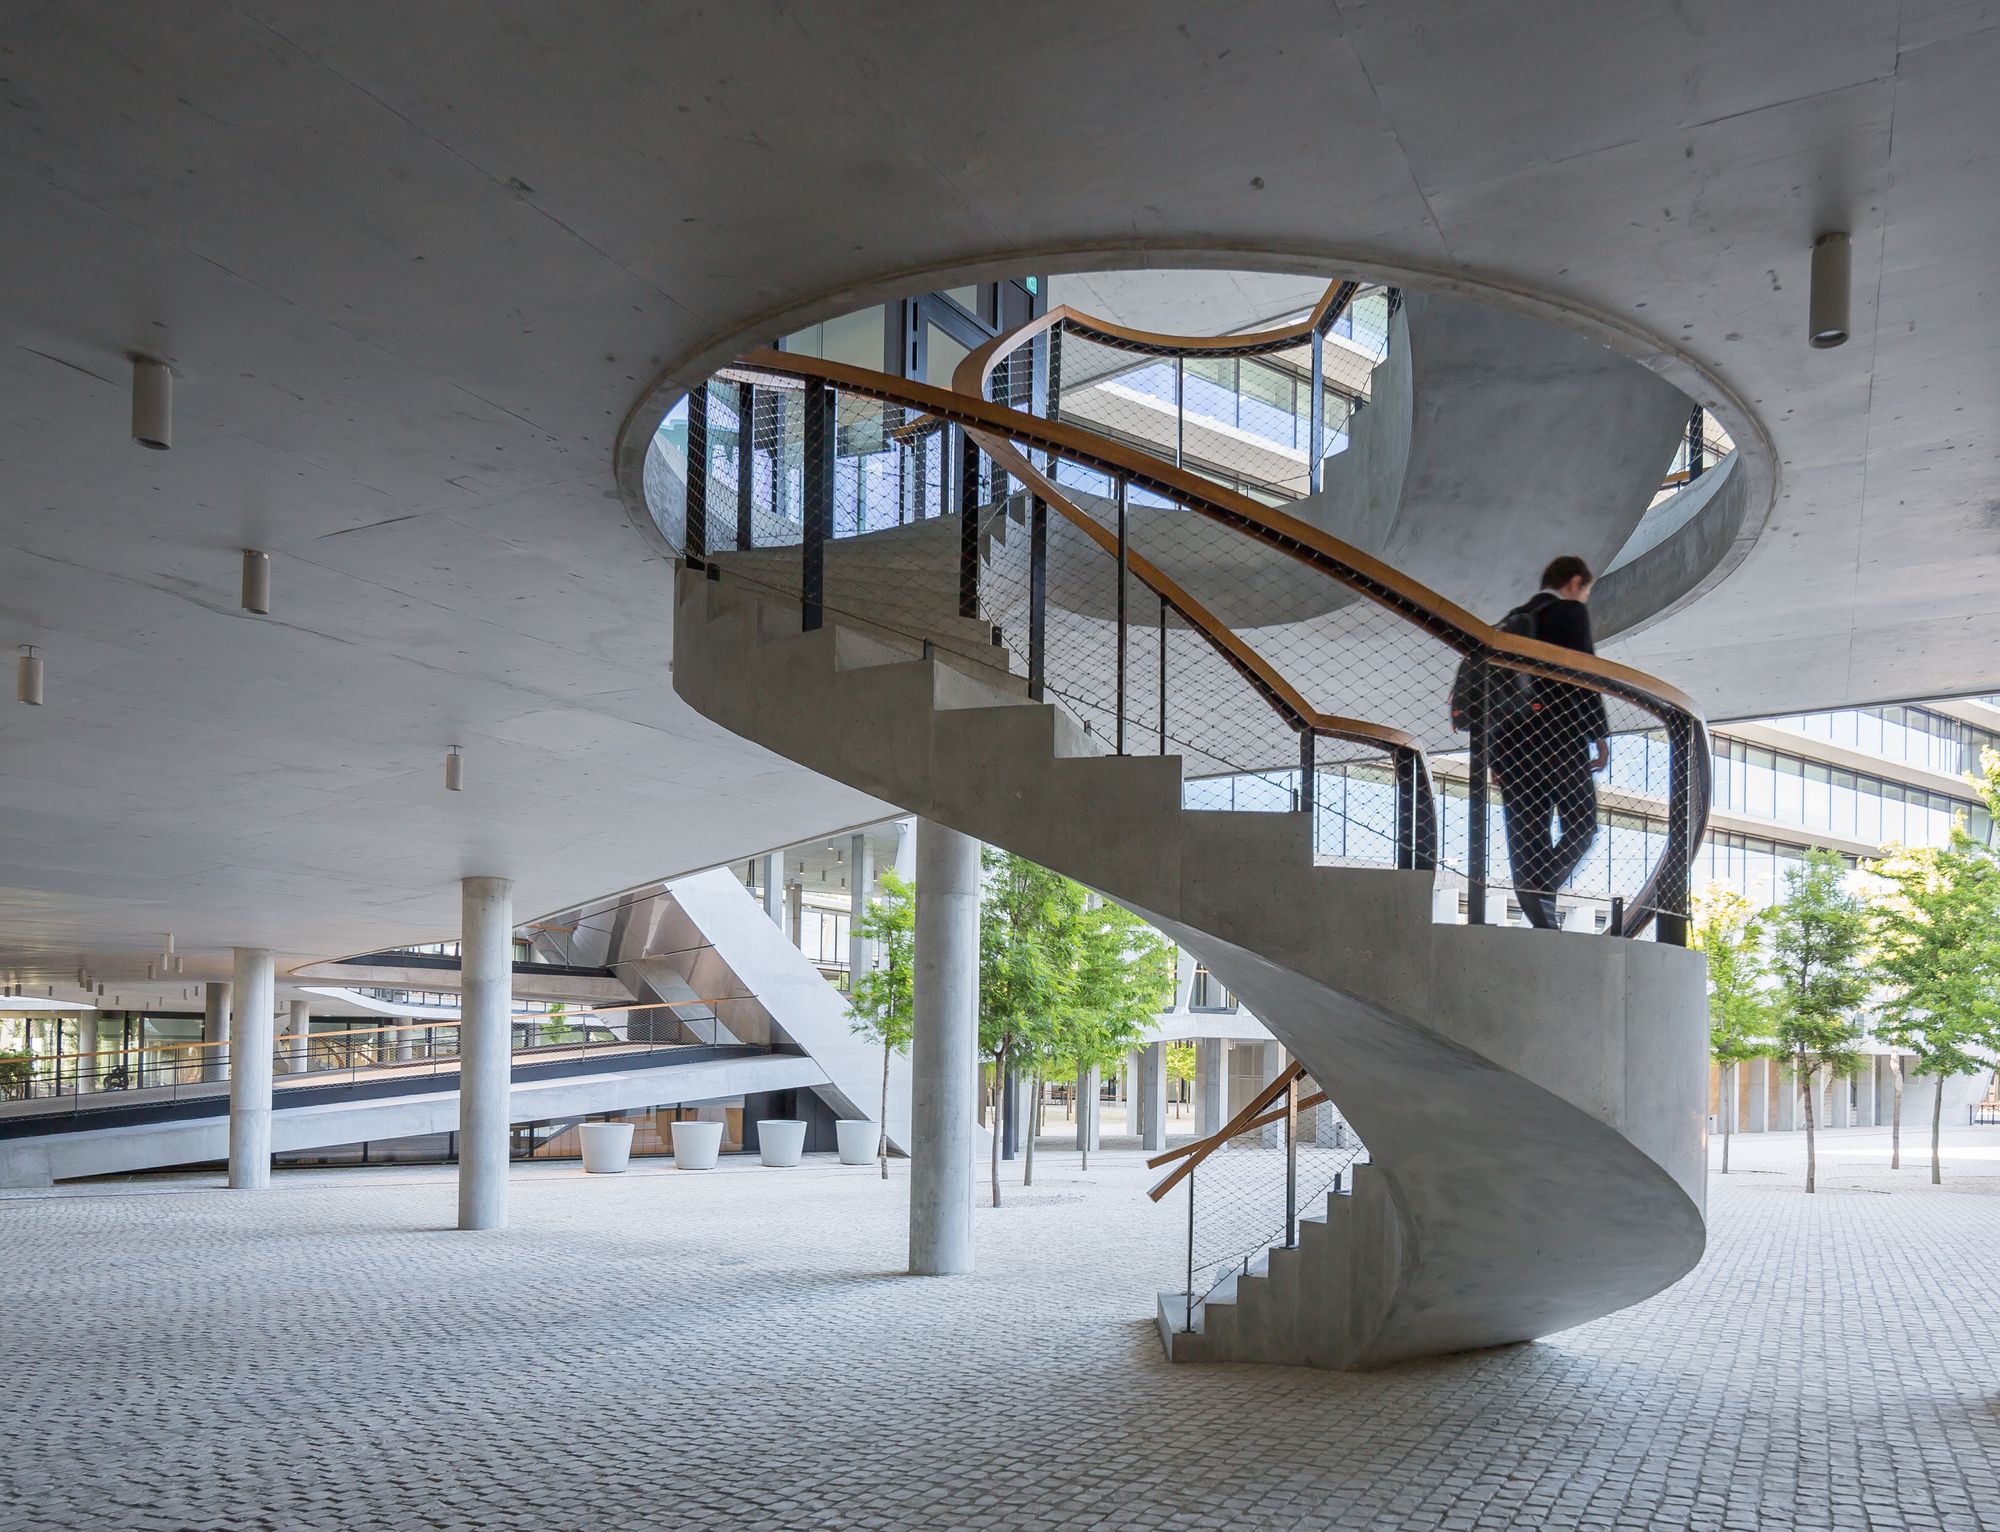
x: 1915, y: 736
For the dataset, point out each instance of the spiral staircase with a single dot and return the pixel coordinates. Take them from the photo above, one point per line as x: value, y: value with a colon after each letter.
x: 1062, y: 643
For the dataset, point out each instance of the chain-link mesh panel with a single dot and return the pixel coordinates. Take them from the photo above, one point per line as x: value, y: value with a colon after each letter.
x: 1254, y: 1190
x: 1286, y: 676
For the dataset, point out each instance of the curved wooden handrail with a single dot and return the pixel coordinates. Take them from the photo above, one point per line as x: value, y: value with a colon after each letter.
x: 976, y: 371
x: 1299, y: 540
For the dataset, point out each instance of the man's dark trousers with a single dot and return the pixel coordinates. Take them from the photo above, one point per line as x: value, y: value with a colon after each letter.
x: 1545, y: 781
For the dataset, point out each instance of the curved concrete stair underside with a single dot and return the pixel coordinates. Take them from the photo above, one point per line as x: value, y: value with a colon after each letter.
x: 1532, y: 1102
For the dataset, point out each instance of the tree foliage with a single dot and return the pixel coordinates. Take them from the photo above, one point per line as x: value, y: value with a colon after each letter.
x: 1936, y: 931
x: 1729, y: 934
x: 881, y: 1002
x: 1818, y: 933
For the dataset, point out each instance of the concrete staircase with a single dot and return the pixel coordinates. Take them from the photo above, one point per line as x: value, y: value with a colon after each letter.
x: 1533, y: 1102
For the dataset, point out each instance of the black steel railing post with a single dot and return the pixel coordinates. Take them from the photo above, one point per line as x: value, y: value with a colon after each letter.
x: 1697, y: 461
x: 1617, y: 927
x: 1479, y: 770
x: 818, y: 508
x: 1180, y: 409
x: 746, y: 467
x: 1124, y: 559
x: 1163, y: 675
x: 1188, y: 1323
x: 1318, y: 412
x: 1406, y: 810
x: 694, y: 536
x: 1670, y: 923
x: 1292, y: 1162
x: 968, y: 528
x: 1308, y: 775
x: 1038, y: 597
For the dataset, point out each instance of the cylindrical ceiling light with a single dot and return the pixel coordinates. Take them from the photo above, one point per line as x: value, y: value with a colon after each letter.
x: 256, y: 581
x: 454, y: 771
x: 28, y: 677
x: 1832, y: 282
x: 152, y: 403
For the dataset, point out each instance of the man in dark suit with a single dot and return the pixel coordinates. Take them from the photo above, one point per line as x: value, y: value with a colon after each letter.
x: 1544, y: 760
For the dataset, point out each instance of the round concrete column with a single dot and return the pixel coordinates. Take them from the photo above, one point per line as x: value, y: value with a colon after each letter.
x: 486, y: 1055
x: 944, y: 1049
x: 215, y: 1029
x: 251, y: 1034
x: 298, y: 1027
x: 405, y: 1047
x: 89, y: 1068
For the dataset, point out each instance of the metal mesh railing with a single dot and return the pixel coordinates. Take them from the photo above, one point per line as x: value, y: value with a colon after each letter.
x: 1167, y: 615
x: 1252, y: 1184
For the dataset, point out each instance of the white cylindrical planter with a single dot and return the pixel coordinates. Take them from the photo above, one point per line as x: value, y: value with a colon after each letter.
x: 696, y: 1144
x: 607, y: 1147
x: 858, y: 1140
x: 780, y: 1141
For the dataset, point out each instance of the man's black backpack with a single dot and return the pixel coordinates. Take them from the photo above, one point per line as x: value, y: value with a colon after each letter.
x: 1510, y: 694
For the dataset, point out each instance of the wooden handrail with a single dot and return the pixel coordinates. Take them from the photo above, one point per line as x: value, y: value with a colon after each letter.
x: 1317, y: 1098
x: 1193, y: 1154
x: 1366, y: 575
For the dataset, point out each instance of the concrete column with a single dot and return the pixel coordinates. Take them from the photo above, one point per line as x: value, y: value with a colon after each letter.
x: 88, y: 1067
x: 1758, y: 1118
x: 795, y: 914
x: 860, y: 878
x: 214, y: 1029
x: 1785, y: 1106
x: 486, y: 969
x: 906, y: 850
x: 252, y: 1028
x: 298, y: 1022
x: 944, y: 1051
x: 1153, y: 1098
x: 1839, y: 1096
x: 1271, y: 1060
x: 1211, y: 1085
x: 1864, y: 1093
x: 774, y: 888
x: 1132, y: 1094
x: 1087, y: 1086
x: 406, y: 1039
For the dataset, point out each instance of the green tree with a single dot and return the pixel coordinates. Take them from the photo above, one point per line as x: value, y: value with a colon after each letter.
x: 1739, y: 1018
x: 881, y: 1002
x: 1122, y: 973
x: 1028, y: 921
x: 1818, y: 932
x: 1937, y: 961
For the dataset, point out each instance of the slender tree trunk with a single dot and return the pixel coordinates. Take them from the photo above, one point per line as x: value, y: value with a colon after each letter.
x: 1937, y: 1122
x: 882, y: 1140
x: 1083, y: 1114
x: 1896, y: 1112
x: 1728, y: 1112
x: 1034, y: 1125
x: 1812, y: 1163
x: 999, y: 1105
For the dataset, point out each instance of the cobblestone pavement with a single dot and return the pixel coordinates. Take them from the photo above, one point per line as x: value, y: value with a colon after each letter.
x: 737, y: 1350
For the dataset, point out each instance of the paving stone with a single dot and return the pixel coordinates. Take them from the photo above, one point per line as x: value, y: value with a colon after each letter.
x: 738, y: 1350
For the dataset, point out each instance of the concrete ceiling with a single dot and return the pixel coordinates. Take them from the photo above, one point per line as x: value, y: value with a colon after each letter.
x: 1188, y: 302
x: 414, y: 265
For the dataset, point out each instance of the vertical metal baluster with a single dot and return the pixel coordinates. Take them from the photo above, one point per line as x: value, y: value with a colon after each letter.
x: 818, y: 507
x: 1038, y: 597
x: 1476, y: 797
x: 1124, y: 551
x: 1670, y: 923
x: 694, y: 535
x: 968, y: 528
x: 1318, y: 444
x: 1180, y: 408
x: 1308, y: 772
x: 1188, y: 1323
x: 1163, y: 675
x: 746, y: 468
x: 1292, y: 1161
